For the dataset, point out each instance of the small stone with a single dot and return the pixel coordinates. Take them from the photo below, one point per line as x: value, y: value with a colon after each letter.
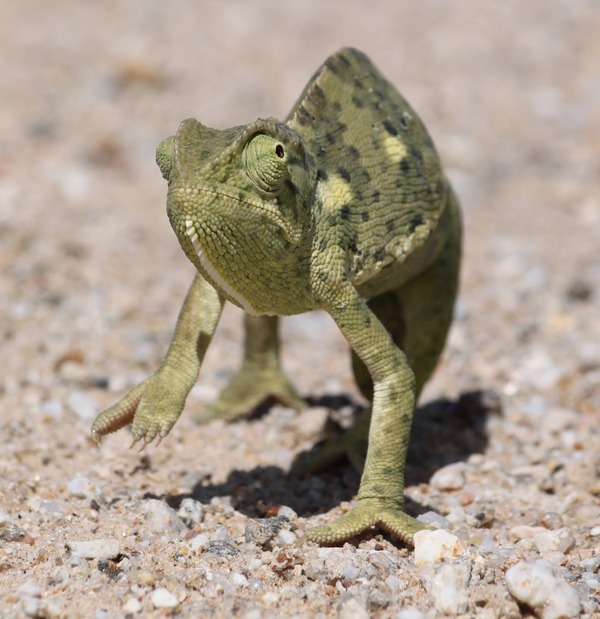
x: 451, y: 477
x: 410, y: 612
x: 285, y: 538
x: 480, y: 514
x: 262, y: 530
x: 239, y: 580
x: 163, y: 598
x: 590, y: 565
x: 96, y: 548
x: 221, y: 548
x: 162, y: 518
x: 539, y: 585
x: 132, y: 606
x: 191, y: 512
x: 448, y: 588
x: 82, y: 405
x: 199, y: 542
x: 561, y: 540
x: 287, y: 512
x: 81, y: 487
x: 351, y: 608
x: 434, y: 546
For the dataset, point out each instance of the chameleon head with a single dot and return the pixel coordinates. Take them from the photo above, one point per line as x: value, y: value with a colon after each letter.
x: 239, y: 199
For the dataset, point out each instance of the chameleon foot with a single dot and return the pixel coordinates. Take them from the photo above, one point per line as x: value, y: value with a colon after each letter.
x: 365, y: 514
x: 152, y: 408
x: 250, y: 388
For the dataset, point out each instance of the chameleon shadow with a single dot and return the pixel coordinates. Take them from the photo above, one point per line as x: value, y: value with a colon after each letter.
x: 444, y: 431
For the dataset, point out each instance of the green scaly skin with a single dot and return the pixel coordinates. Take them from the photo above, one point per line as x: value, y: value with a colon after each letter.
x: 343, y: 207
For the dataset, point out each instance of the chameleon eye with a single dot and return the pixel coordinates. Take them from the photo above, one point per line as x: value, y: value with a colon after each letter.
x: 265, y: 160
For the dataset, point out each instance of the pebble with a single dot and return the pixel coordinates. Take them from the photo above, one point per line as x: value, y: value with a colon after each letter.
x: 262, y: 530
x: 451, y: 477
x: 162, y: 518
x: 351, y: 608
x: 96, y: 548
x: 561, y: 540
x: 448, y: 588
x: 435, y: 520
x: 163, y: 598
x: 410, y: 612
x: 434, y: 546
x: 81, y: 487
x: 539, y: 585
x: 82, y: 405
x: 191, y: 512
x: 132, y: 606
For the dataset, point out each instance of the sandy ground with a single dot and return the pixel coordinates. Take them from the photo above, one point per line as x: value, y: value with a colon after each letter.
x: 505, y: 446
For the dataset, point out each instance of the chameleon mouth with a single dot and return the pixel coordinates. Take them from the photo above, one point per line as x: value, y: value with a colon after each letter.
x: 211, y: 270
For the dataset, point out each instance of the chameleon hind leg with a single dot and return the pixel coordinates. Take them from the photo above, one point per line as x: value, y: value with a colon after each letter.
x: 260, y: 377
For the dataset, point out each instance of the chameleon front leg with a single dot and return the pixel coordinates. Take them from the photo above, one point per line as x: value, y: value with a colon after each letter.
x: 380, y: 498
x: 154, y: 405
x: 260, y: 376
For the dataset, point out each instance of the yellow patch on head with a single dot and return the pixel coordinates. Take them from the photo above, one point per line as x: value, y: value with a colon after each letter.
x: 334, y: 193
x: 395, y: 148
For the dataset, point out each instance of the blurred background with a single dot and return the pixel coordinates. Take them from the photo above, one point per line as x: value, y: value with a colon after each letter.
x: 92, y: 275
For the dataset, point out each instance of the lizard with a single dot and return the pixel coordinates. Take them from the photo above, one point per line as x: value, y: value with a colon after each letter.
x: 342, y: 207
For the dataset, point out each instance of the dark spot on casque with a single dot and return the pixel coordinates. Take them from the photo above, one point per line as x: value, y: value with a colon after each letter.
x: 345, y: 212
x: 344, y: 173
x: 353, y: 244
x: 379, y: 94
x: 416, y: 221
x: 321, y: 175
x: 357, y: 83
x: 342, y: 127
x: 365, y: 216
x: 390, y: 225
x: 302, y: 116
x: 337, y: 106
x: 343, y: 60
x: 376, y: 196
x: 387, y: 125
x: 330, y: 64
x: 291, y: 187
x: 316, y: 96
x: 365, y: 176
x: 293, y: 160
x: 358, y: 102
x: 331, y: 139
x: 405, y: 165
x: 354, y: 152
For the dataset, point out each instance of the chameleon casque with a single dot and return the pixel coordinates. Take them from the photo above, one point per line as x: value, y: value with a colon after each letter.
x: 342, y: 207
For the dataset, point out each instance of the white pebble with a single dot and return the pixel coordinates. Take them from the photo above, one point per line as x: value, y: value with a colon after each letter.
x: 191, y: 512
x: 162, y: 598
x: 96, y: 548
x: 451, y: 477
x: 287, y: 512
x: 351, y: 608
x: 560, y: 540
x: 285, y: 538
x: 160, y: 517
x: 132, y: 606
x: 448, y: 588
x: 82, y: 405
x: 81, y: 487
x: 539, y: 585
x: 199, y: 542
x: 435, y: 520
x: 410, y: 612
x: 433, y: 546
x: 239, y: 580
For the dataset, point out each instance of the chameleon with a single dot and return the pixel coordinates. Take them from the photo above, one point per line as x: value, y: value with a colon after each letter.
x: 342, y: 207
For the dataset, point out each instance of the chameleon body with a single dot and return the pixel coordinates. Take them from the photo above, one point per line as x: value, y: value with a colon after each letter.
x: 342, y: 207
